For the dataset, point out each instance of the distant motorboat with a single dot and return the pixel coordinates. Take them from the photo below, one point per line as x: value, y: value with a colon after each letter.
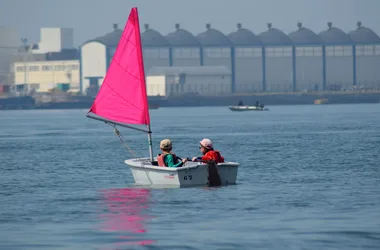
x: 247, y: 108
x: 321, y: 101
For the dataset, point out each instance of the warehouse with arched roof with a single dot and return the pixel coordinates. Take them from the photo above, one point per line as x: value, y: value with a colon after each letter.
x: 216, y: 50
x: 339, y: 60
x: 271, y: 61
x: 278, y: 60
x: 247, y: 60
x: 308, y: 67
x: 367, y: 57
x: 185, y: 49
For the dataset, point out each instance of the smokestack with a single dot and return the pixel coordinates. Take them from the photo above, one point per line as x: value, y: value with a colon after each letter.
x: 269, y: 25
x: 208, y: 26
x: 177, y: 26
x: 146, y: 26
x: 329, y: 24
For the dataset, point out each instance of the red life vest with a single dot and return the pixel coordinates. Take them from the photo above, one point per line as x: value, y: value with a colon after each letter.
x: 213, y: 155
x: 161, y: 159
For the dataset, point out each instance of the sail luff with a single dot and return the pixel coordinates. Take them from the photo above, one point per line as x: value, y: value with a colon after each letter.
x: 140, y: 59
x: 142, y: 76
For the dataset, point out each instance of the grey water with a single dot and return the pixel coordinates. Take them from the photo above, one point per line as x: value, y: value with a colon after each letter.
x: 309, y: 179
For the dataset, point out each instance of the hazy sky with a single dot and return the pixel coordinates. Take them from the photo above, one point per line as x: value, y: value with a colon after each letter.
x: 93, y: 18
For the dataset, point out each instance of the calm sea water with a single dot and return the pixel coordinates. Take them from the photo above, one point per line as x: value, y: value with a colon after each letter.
x: 309, y: 179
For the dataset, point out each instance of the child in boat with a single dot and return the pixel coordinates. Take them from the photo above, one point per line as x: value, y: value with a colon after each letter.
x: 167, y: 158
x: 209, y: 153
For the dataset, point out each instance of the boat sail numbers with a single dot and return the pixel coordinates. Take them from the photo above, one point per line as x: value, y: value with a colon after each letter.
x: 122, y: 100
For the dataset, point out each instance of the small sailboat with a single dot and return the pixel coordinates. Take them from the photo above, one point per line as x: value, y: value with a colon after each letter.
x: 122, y: 101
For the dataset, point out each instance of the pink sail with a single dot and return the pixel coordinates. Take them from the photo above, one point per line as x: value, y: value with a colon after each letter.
x: 122, y: 96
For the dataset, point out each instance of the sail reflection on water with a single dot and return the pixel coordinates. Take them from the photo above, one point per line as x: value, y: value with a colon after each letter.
x: 123, y: 214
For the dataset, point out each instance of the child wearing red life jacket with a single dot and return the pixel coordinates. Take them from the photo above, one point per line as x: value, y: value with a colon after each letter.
x: 209, y: 153
x: 167, y: 158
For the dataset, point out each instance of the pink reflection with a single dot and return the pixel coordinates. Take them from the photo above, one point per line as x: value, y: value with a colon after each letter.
x: 124, y: 208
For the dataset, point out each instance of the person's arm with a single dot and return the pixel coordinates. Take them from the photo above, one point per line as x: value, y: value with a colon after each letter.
x: 196, y: 159
x: 169, y: 161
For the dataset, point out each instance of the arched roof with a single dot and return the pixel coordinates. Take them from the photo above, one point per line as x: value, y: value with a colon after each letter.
x: 274, y: 37
x: 244, y: 37
x: 213, y: 37
x: 182, y: 38
x: 152, y: 38
x: 334, y: 35
x: 304, y: 36
x: 149, y: 38
x: 363, y: 35
x: 110, y: 39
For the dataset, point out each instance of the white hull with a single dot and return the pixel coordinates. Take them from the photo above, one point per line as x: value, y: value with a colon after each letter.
x: 191, y: 174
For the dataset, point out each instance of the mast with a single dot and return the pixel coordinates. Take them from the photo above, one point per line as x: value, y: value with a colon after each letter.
x: 150, y: 144
x: 142, y: 74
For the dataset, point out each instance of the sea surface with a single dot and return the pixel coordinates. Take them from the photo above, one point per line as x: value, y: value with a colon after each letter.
x: 309, y: 179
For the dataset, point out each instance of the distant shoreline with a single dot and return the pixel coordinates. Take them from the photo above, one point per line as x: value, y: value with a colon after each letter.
x: 28, y: 102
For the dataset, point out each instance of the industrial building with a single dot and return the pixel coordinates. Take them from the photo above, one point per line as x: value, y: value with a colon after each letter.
x: 308, y: 59
x: 247, y: 60
x: 366, y: 62
x: 47, y: 75
x: 185, y: 49
x: 51, y: 64
x: 270, y: 61
x: 193, y: 80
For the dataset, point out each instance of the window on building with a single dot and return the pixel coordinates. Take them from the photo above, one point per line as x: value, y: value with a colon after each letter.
x: 248, y: 52
x: 300, y: 51
x: 217, y: 52
x: 269, y: 52
x: 20, y: 68
x: 317, y: 51
x: 309, y: 51
x: 46, y: 67
x: 287, y: 52
x: 72, y: 67
x: 34, y: 68
x: 329, y: 51
x: 278, y: 52
x: 156, y: 53
x: 369, y: 50
x: 59, y: 67
x: 186, y: 53
x: 338, y: 50
x: 347, y: 50
x: 359, y: 50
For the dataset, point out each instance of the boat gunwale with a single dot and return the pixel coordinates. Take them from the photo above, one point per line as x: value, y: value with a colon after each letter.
x: 130, y: 162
